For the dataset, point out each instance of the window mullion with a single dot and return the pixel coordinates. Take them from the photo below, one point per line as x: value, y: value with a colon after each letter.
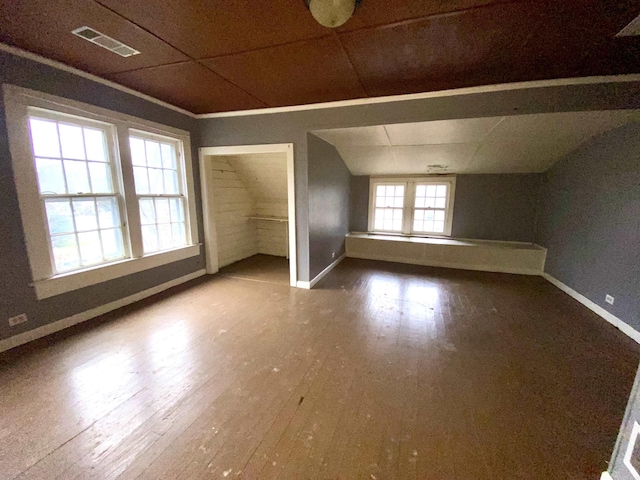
x: 409, y: 199
x: 132, y: 223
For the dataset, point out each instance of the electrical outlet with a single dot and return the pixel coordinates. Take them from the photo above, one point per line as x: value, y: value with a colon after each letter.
x: 609, y: 299
x: 333, y: 254
x: 17, y: 320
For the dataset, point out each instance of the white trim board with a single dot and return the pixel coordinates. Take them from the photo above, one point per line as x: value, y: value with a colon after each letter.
x: 559, y: 82
x: 341, y: 103
x: 322, y: 274
x: 94, y: 78
x: 606, y: 476
x: 597, y: 309
x: 43, y: 331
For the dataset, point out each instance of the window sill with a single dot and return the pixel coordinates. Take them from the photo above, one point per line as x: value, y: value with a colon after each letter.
x: 69, y: 282
x: 433, y: 240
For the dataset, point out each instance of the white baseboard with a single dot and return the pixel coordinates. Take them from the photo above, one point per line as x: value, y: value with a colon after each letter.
x: 605, y: 476
x: 609, y: 317
x: 322, y: 274
x: 53, y: 327
x: 458, y: 266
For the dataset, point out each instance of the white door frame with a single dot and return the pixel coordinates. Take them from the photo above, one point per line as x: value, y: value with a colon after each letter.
x: 210, y: 239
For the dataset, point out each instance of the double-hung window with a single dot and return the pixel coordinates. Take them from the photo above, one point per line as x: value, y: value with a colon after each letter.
x: 102, y: 194
x: 78, y: 189
x: 412, y: 206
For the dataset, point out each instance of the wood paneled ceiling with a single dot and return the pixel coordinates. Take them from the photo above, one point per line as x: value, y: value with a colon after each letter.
x: 213, y: 56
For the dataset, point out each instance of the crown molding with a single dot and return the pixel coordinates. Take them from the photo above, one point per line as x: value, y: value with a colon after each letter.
x: 560, y: 82
x: 89, y: 76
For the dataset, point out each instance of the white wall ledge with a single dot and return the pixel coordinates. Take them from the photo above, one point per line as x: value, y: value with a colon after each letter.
x: 464, y: 254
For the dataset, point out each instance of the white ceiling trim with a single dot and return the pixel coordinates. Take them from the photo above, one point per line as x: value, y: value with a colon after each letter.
x: 603, y: 79
x: 560, y: 82
x: 89, y: 76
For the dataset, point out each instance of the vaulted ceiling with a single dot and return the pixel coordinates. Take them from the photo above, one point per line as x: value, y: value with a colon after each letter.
x: 514, y: 144
x: 213, y: 56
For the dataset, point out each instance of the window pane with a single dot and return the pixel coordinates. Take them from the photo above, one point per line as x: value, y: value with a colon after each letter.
x: 100, y: 178
x: 84, y: 212
x: 380, y: 190
x: 153, y: 154
x: 149, y: 238
x: 72, y: 142
x: 108, y: 215
x: 164, y: 235
x: 162, y: 210
x: 439, y: 215
x: 399, y: 190
x: 178, y: 234
x: 441, y: 191
x: 398, y: 202
x: 141, y: 180
x: 177, y: 212
x: 380, y: 201
x: 418, y: 215
x: 441, y: 202
x: 59, y: 216
x: 50, y: 176
x: 431, y: 190
x: 156, y: 180
x: 170, y: 181
x: 137, y: 151
x: 90, y: 248
x: 438, y: 227
x: 168, y: 156
x: 95, y: 144
x: 430, y: 203
x: 417, y: 226
x: 65, y: 252
x: 77, y: 178
x: 44, y: 136
x: 147, y: 211
x: 421, y: 191
x: 378, y: 224
x: 428, y: 215
x: 419, y: 202
x: 112, y: 243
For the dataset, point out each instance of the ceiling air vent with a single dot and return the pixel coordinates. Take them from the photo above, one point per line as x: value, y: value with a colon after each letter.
x: 632, y: 29
x: 105, y: 41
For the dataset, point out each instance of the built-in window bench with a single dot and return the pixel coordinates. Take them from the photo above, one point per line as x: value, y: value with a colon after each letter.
x: 489, y: 256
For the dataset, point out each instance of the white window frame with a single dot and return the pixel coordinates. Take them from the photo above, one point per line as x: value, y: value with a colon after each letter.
x: 46, y: 283
x: 409, y: 202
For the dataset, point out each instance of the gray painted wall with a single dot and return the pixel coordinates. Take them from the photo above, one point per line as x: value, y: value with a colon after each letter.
x: 359, y: 218
x: 496, y: 207
x: 292, y: 127
x: 15, y: 275
x: 487, y: 207
x: 590, y: 221
x: 329, y: 192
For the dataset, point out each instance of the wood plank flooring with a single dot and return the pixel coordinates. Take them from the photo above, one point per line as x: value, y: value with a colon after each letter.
x: 384, y: 371
x: 260, y: 267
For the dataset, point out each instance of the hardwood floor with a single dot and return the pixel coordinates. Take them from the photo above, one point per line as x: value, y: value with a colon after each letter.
x: 384, y: 372
x: 264, y: 268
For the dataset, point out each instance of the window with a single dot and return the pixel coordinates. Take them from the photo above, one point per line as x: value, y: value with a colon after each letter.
x: 101, y: 194
x: 412, y: 206
x: 80, y: 197
x: 159, y: 189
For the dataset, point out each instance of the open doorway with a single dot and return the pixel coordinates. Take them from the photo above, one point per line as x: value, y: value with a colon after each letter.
x: 248, y: 202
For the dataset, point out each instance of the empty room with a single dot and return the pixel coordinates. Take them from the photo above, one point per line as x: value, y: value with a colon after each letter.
x: 320, y: 239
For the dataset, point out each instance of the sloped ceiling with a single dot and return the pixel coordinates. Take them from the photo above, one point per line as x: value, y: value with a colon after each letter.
x: 212, y: 56
x: 264, y: 175
x: 515, y: 144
